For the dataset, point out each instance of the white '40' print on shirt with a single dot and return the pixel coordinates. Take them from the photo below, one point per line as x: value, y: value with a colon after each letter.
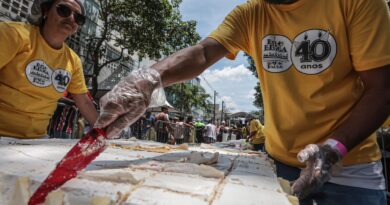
x: 311, y: 52
x: 41, y: 75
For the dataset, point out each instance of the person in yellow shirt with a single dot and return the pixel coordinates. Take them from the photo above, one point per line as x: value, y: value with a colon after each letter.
x: 244, y: 131
x: 37, y: 67
x: 387, y: 122
x: 324, y: 70
x: 256, y: 136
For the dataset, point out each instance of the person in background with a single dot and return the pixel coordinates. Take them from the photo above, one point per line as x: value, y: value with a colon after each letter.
x: 244, y: 131
x: 256, y: 136
x: 199, y: 130
x: 178, y: 133
x: 221, y: 130
x: 210, y: 132
x: 324, y: 70
x: 163, y: 125
x: 37, y: 67
x: 147, y: 124
x: 189, y: 131
x: 238, y: 131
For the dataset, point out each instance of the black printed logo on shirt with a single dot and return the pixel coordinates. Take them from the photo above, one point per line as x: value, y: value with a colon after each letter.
x: 276, y: 53
x: 61, y: 79
x: 41, y: 75
x: 311, y: 52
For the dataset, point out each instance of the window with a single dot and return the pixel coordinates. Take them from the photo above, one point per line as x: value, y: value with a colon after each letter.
x: 25, y: 9
x: 4, y: 5
x: 15, y: 5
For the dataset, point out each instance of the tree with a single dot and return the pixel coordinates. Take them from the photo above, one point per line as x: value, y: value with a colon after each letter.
x: 185, y: 97
x: 258, y: 102
x: 146, y: 28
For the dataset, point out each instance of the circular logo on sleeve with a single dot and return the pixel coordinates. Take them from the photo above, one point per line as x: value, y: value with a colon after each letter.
x: 38, y: 73
x: 61, y: 79
x: 276, y: 53
x: 313, y: 51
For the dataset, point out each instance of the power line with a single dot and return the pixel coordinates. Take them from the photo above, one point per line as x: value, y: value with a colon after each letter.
x: 212, y: 89
x: 207, y: 82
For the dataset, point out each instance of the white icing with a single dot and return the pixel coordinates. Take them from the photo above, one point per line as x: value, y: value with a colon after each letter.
x: 200, y: 175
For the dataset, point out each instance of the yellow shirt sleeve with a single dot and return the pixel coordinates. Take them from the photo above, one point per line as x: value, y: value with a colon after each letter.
x: 77, y: 84
x: 369, y: 34
x: 234, y: 31
x: 11, y: 42
x: 254, y: 126
x: 387, y: 122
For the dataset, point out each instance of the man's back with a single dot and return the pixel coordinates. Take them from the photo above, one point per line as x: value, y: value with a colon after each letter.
x: 257, y: 127
x: 211, y: 131
x: 162, y: 121
x: 310, y: 60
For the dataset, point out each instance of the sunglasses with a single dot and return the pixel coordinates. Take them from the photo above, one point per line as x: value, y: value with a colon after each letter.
x: 65, y: 12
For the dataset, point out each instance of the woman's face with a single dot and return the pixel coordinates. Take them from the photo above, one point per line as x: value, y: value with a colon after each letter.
x: 61, y: 17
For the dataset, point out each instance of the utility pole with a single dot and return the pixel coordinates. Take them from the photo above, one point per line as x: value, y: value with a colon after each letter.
x: 215, y: 95
x: 222, y: 113
x: 181, y: 98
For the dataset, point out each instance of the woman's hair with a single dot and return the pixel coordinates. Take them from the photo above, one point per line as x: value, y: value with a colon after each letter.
x: 39, y: 7
x: 45, y: 7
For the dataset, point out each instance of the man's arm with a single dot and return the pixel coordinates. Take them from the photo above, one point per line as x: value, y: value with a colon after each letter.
x: 370, y: 112
x: 190, y: 62
x: 132, y: 95
x: 253, y: 133
x: 86, y: 107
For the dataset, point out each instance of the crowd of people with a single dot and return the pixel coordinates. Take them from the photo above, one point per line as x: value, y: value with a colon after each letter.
x: 173, y: 129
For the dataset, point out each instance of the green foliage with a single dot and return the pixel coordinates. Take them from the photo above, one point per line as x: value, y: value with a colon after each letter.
x: 258, y: 102
x: 185, y: 97
x: 251, y: 66
x: 147, y: 28
x: 153, y: 28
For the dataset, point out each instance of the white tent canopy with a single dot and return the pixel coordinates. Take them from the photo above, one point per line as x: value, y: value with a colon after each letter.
x: 166, y: 104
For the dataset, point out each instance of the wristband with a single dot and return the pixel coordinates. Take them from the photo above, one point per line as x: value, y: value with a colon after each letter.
x: 335, y: 144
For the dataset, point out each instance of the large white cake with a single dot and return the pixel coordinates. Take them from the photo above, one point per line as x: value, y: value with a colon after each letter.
x: 142, y: 172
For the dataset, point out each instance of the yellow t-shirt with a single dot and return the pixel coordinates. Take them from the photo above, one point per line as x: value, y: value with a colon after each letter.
x: 33, y: 77
x: 307, y: 56
x: 387, y: 122
x: 256, y: 126
x: 244, y: 132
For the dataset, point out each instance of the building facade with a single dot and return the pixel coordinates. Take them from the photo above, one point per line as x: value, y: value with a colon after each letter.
x: 14, y: 10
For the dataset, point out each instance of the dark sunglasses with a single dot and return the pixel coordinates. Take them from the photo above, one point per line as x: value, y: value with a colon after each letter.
x: 65, y: 12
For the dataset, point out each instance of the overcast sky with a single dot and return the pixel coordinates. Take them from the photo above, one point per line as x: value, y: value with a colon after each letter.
x: 233, y: 82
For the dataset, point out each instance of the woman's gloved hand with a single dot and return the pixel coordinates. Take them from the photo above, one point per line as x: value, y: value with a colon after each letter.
x: 319, y: 161
x: 127, y: 101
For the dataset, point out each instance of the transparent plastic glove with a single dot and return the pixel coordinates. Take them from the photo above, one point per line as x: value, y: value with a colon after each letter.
x: 319, y: 161
x: 128, y: 100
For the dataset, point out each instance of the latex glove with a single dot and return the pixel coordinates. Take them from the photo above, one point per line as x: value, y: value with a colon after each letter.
x: 127, y: 101
x: 319, y: 161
